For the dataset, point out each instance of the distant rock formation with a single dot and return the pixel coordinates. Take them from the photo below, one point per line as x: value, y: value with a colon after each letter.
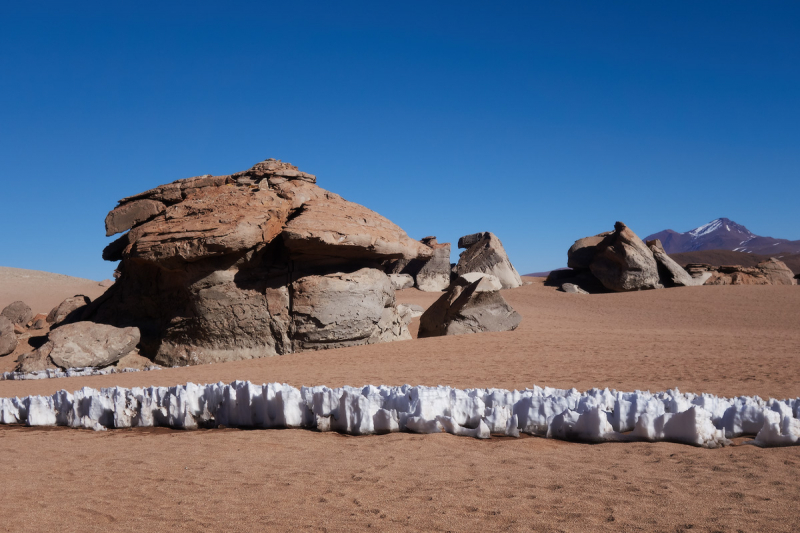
x: 769, y: 272
x: 621, y: 262
x: 485, y: 253
x: 257, y: 263
x: 430, y: 274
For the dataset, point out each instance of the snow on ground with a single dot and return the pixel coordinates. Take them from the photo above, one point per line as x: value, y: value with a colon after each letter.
x: 68, y: 373
x: 593, y: 416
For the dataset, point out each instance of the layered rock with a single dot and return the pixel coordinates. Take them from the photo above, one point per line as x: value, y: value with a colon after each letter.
x: 485, y: 253
x: 468, y: 307
x: 769, y: 272
x: 227, y: 268
x: 434, y: 275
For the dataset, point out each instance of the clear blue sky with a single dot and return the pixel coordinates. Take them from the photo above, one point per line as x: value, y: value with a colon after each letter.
x: 541, y: 122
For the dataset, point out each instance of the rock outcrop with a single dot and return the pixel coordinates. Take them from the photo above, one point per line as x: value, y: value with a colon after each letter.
x: 218, y: 268
x: 18, y: 313
x: 624, y: 263
x: 434, y: 275
x: 401, y: 281
x: 466, y: 307
x: 485, y: 253
x: 8, y: 339
x: 770, y: 272
x: 670, y: 273
x: 580, y: 254
x: 70, y: 310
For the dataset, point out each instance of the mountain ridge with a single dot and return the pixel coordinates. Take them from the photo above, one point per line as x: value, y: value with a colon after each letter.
x: 723, y: 234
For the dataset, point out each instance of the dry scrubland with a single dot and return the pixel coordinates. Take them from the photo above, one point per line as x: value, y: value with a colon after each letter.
x: 724, y: 340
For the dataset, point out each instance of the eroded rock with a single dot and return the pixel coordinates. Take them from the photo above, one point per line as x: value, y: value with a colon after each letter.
x: 70, y: 310
x: 485, y: 253
x: 88, y: 344
x: 670, y: 273
x: 401, y: 281
x: 8, y: 339
x: 623, y: 262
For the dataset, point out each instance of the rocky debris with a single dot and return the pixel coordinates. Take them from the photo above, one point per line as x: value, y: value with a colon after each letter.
x: 36, y: 361
x: 624, y: 263
x: 401, y: 281
x: 769, y: 272
x: 85, y: 344
x: 38, y: 322
x: 225, y: 271
x: 339, y: 310
x: 572, y: 289
x: 434, y: 275
x: 8, y: 339
x: 485, y: 253
x: 18, y: 313
x: 670, y: 273
x: 463, y: 308
x: 488, y: 282
x: 70, y: 310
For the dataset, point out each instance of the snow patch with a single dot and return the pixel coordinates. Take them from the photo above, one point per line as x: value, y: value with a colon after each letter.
x: 597, y: 415
x: 69, y: 373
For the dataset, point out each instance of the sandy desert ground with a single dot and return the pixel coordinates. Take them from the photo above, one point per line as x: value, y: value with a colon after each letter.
x: 722, y: 340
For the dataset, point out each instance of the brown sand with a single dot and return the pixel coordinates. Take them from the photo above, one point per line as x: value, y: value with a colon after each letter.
x: 42, y: 290
x: 723, y: 340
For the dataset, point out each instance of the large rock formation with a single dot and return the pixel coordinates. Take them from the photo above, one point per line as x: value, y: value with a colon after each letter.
x: 434, y: 275
x: 485, y: 253
x: 468, y: 307
x: 257, y: 263
x: 8, y: 339
x: 623, y: 262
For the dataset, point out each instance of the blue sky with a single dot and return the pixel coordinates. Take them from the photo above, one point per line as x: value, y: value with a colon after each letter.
x: 540, y: 122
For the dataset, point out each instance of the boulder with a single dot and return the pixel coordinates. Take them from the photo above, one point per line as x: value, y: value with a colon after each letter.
x: 463, y: 309
x: 39, y: 321
x: 776, y: 272
x: 401, y: 281
x: 211, y: 277
x: 624, y: 263
x: 134, y: 361
x: 8, y: 339
x: 70, y: 310
x: 414, y: 309
x: 485, y: 253
x: 487, y: 282
x: 434, y: 274
x: 340, y: 309
x: 85, y: 344
x: 18, y: 313
x: 671, y: 273
x: 581, y: 253
x: 572, y: 289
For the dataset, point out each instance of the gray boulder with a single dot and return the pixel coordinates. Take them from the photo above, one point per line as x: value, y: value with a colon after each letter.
x: 401, y: 281
x: 88, y: 344
x: 485, y: 253
x: 581, y: 253
x: 670, y: 272
x: 18, y: 313
x: 434, y: 275
x: 624, y: 263
x: 339, y: 309
x: 70, y: 310
x: 572, y: 289
x: 487, y: 282
x: 8, y: 339
x: 466, y: 308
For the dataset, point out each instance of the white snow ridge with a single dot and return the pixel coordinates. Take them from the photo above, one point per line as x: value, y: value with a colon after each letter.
x: 593, y: 416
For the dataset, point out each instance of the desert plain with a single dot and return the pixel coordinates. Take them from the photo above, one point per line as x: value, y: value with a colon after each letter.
x: 725, y: 340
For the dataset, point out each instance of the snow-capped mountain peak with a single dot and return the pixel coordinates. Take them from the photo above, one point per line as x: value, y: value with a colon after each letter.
x: 723, y: 234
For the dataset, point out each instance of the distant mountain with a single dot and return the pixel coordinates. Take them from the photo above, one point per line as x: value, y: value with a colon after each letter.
x: 723, y: 234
